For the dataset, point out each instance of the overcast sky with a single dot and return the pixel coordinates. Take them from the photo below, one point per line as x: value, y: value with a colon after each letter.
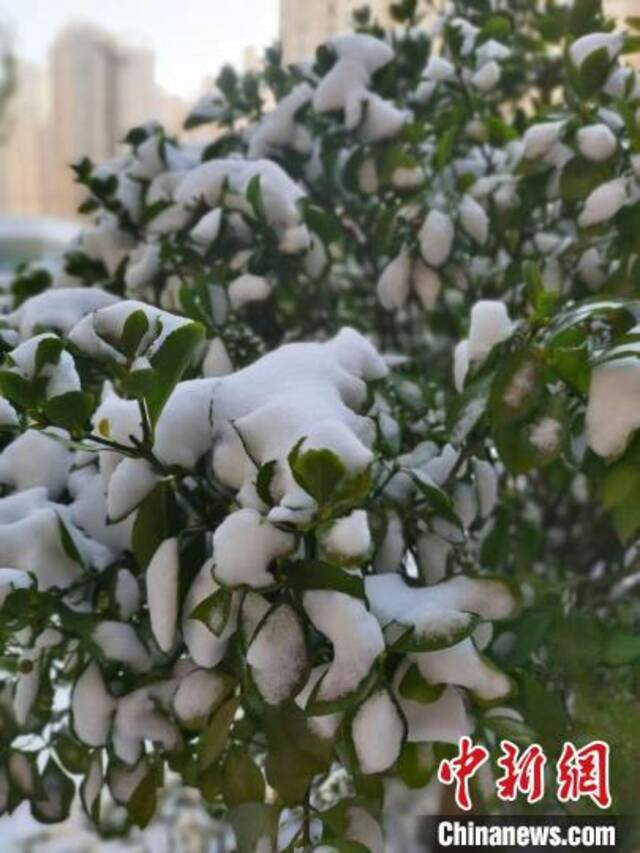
x: 191, y: 38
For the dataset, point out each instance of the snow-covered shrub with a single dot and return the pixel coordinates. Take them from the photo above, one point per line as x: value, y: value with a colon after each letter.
x: 323, y: 442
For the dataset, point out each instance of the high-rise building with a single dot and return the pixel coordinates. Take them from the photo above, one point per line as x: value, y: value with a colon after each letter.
x: 21, y: 161
x: 83, y: 115
x: 304, y: 24
x: 137, y: 96
x: 100, y: 89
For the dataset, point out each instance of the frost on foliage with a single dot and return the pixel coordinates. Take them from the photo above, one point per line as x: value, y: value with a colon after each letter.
x: 126, y: 594
x: 433, y: 553
x: 38, y: 541
x: 95, y: 334
x: 474, y: 220
x: 487, y: 77
x: 539, y: 138
x: 207, y: 228
x: 362, y: 828
x: 490, y: 325
x: 464, y: 666
x: 209, y: 181
x: 460, y: 364
x: 279, y: 128
x: 546, y: 436
x: 143, y: 715
x: 197, y: 695
x: 438, y: 615
x: 92, y: 707
x: 11, y: 579
x: 439, y: 70
x: 349, y: 537
x: 58, y: 371
x: 59, y: 309
x: 596, y: 142
x: 354, y: 634
x: 8, y: 415
x: 28, y: 682
x: 345, y: 88
x: 603, y: 203
x: 36, y: 458
x: 583, y: 47
x: 162, y: 592
x: 443, y: 720
x: 613, y: 410
x: 486, y: 478
x: 277, y: 655
x: 130, y: 483
x: 248, y: 288
x: 244, y: 546
x: 323, y: 726
x: 216, y: 361
x: 272, y: 409
x: 206, y: 649
x: 436, y: 238
x: 377, y: 731
x: 404, y: 275
x: 118, y: 641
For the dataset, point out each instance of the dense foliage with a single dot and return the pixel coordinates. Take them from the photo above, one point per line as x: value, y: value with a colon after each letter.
x: 320, y: 452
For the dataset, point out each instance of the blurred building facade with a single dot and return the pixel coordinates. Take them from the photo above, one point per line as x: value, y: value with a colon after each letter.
x: 93, y: 90
x: 99, y: 89
x: 304, y: 24
x: 22, y: 167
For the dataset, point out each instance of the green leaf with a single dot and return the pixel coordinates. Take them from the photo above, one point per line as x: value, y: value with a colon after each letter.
x: 295, y: 754
x: 594, y: 71
x: 214, y: 611
x: 571, y: 365
x: 17, y: 390
x: 314, y: 574
x: 580, y: 177
x: 74, y: 755
x: 318, y: 472
x: 142, y: 804
x: 433, y: 639
x: 416, y: 764
x: 242, y: 781
x: 263, y: 481
x: 214, y: 738
x: 135, y: 328
x: 169, y: 364
x: 252, y: 822
x: 156, y: 520
x: 414, y: 686
x: 468, y: 409
x: 71, y: 410
x: 542, y: 300
x: 68, y: 545
x: 508, y: 727
x: 254, y: 197
x: 621, y: 649
x: 436, y: 497
x: 323, y: 223
x: 516, y: 388
x: 620, y: 480
x: 536, y: 443
x: 626, y: 516
x: 209, y: 782
x: 48, y: 352
x: 57, y: 791
x: 529, y: 631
